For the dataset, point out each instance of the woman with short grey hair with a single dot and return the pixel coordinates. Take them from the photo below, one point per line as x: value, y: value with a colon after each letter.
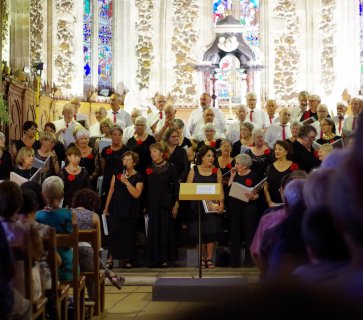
x: 243, y: 215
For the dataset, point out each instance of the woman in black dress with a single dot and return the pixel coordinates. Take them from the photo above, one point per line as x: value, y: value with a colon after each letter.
x: 59, y: 146
x: 304, y: 153
x: 328, y: 129
x: 209, y: 140
x: 243, y: 215
x: 111, y: 157
x: 178, y: 156
x: 124, y: 207
x: 30, y: 129
x: 183, y: 141
x: 47, y: 142
x: 5, y: 160
x: 205, y: 172
x: 74, y: 176
x: 262, y: 156
x: 89, y: 156
x: 140, y: 143
x: 162, y: 208
x: 24, y: 163
x: 245, y: 142
x: 276, y: 171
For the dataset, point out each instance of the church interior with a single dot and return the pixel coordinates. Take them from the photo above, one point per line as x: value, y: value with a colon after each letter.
x: 57, y: 51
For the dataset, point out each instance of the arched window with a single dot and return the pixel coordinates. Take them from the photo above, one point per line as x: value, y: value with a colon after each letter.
x: 97, y: 44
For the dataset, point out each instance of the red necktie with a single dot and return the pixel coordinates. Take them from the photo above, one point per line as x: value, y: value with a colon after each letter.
x: 340, y: 126
x: 354, y: 123
x: 75, y: 117
x: 271, y: 120
x: 283, y: 132
x: 114, y: 117
x: 321, y: 133
x: 67, y: 125
x: 251, y: 119
x: 160, y: 114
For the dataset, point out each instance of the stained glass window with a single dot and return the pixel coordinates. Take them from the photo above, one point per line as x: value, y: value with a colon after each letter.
x: 105, y: 44
x: 87, y: 36
x: 249, y: 18
x: 220, y: 8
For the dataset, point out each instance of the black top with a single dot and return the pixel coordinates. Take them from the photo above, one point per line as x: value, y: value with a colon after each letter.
x: 260, y: 163
x: 113, y: 163
x: 143, y: 151
x: 89, y: 163
x: 25, y: 173
x: 166, y: 190
x: 123, y: 204
x: 236, y: 148
x: 49, y: 171
x: 249, y: 180
x: 19, y: 144
x: 5, y: 165
x: 274, y: 181
x: 307, y: 160
x: 73, y: 183
x: 186, y: 143
x: 180, y: 160
x: 60, y: 151
x: 216, y: 147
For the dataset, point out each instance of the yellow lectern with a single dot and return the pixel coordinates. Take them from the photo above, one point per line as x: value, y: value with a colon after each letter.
x: 200, y: 191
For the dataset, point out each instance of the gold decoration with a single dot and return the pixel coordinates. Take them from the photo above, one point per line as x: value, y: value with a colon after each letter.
x: 184, y: 37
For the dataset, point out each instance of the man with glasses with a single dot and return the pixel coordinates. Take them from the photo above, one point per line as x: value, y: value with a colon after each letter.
x: 116, y: 114
x: 314, y: 101
x: 158, y: 115
x: 351, y: 122
x: 323, y: 113
x: 100, y: 114
x: 298, y: 111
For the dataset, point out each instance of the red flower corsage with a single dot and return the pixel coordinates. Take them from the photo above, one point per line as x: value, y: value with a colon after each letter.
x: 214, y: 170
x: 71, y: 177
x: 139, y: 142
x: 248, y: 182
x: 213, y: 144
x: 267, y: 152
x: 316, y: 155
x: 119, y: 176
x: 149, y: 171
x: 332, y: 141
x: 229, y: 166
x: 90, y: 156
x: 109, y: 151
x: 294, y: 167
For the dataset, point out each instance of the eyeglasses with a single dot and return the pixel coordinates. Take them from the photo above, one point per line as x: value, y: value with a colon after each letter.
x: 311, y: 138
x: 174, y: 137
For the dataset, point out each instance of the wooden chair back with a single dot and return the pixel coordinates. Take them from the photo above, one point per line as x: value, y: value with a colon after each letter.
x: 57, y: 292
x: 78, y: 282
x: 97, y: 275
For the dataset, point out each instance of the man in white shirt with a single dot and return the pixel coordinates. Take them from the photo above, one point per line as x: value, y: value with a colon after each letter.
x: 208, y: 117
x: 323, y: 113
x: 82, y: 118
x: 154, y: 117
x: 116, y: 114
x: 298, y: 111
x: 100, y: 114
x: 234, y: 130
x: 64, y: 127
x: 352, y: 120
x: 256, y: 116
x: 279, y: 131
x: 271, y: 107
x: 339, y: 119
x: 197, y: 115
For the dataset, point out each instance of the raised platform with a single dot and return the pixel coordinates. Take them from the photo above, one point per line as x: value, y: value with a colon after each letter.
x: 195, y: 289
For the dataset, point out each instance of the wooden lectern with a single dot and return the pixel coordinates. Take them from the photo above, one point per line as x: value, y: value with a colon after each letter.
x: 200, y: 191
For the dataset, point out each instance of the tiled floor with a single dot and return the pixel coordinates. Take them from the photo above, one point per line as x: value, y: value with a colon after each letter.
x: 134, y: 301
